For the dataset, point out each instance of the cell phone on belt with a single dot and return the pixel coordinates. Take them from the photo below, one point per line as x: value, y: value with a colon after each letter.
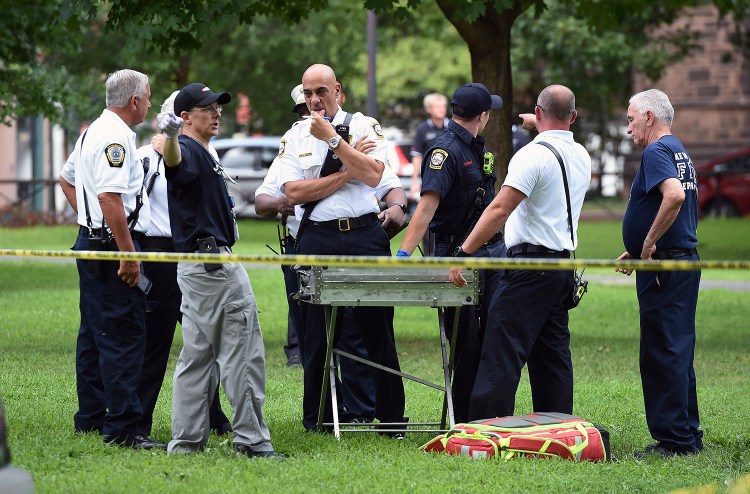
x: 144, y: 284
x: 208, y: 246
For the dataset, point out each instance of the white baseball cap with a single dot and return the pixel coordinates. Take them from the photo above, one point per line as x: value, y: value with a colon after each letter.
x: 298, y: 97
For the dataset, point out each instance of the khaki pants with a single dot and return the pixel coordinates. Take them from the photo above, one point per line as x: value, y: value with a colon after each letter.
x: 221, y: 337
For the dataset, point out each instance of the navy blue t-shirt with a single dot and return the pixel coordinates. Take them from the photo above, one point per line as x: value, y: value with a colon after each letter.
x: 199, y: 203
x: 452, y: 167
x: 425, y: 136
x: 663, y: 159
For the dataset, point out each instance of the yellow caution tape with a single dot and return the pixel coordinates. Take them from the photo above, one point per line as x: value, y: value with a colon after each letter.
x: 389, y: 262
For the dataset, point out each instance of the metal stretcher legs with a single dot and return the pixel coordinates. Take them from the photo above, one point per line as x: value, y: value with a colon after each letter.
x: 329, y: 373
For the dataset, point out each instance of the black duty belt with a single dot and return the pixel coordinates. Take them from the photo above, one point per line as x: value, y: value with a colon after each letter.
x: 347, y: 224
x: 97, y: 232
x: 442, y: 238
x: 540, y: 250
x: 673, y: 253
x: 159, y: 243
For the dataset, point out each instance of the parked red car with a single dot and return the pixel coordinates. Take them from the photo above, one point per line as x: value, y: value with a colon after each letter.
x: 724, y: 185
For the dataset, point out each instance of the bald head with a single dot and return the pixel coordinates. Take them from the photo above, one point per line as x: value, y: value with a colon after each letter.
x: 558, y: 102
x: 321, y: 89
x: 319, y: 71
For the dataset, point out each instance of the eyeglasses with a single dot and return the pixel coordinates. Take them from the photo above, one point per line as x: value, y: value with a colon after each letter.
x: 540, y: 107
x: 209, y: 109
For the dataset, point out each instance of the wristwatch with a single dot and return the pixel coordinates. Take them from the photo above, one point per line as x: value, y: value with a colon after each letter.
x: 334, y: 142
x: 403, y: 206
x: 459, y: 252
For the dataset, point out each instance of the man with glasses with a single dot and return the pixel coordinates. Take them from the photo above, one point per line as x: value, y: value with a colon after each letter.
x: 529, y: 319
x: 220, y: 329
x: 164, y: 300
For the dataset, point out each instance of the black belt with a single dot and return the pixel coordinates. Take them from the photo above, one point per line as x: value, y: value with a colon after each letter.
x: 442, y: 238
x: 97, y: 232
x: 673, y: 253
x: 347, y: 224
x: 524, y: 248
x: 160, y: 243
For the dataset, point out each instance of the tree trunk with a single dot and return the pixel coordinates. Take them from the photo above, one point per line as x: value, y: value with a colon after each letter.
x: 488, y: 39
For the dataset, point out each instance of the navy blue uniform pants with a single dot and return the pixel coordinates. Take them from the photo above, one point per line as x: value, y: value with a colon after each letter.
x: 355, y: 390
x: 527, y: 325
x: 374, y: 323
x: 294, y: 317
x: 109, y: 349
x: 471, y: 327
x: 668, y: 301
x: 162, y: 315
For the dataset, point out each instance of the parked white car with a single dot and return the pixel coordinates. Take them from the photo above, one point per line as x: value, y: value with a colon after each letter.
x: 246, y: 160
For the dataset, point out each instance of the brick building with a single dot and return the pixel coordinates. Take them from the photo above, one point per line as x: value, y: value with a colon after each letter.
x: 710, y: 90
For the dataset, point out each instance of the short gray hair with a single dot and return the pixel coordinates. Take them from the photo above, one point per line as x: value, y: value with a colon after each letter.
x: 123, y: 85
x: 167, y: 106
x: 432, y: 98
x: 657, y: 102
x: 558, y: 101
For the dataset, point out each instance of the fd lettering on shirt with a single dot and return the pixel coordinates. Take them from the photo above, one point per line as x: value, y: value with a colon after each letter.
x: 115, y: 155
x: 437, y: 159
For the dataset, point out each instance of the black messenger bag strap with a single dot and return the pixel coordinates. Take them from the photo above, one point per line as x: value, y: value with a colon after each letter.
x: 331, y: 165
x: 565, y: 184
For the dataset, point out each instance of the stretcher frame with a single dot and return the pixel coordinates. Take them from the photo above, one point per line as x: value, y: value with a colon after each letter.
x: 336, y: 287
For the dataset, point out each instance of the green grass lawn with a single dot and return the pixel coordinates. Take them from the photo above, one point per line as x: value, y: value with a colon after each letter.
x: 38, y: 303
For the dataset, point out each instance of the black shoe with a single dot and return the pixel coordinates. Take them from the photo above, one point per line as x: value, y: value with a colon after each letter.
x: 359, y: 420
x: 294, y: 361
x: 136, y: 442
x: 222, y: 429
x: 245, y: 450
x: 398, y: 435
x: 659, y: 449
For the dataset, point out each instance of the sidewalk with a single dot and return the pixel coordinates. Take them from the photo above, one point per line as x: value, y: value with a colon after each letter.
x: 621, y: 279
x: 601, y: 215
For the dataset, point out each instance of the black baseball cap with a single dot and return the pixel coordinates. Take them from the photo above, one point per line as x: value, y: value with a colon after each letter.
x: 473, y: 99
x: 198, y: 94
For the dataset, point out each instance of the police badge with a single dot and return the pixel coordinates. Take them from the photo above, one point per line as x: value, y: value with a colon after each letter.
x: 115, y: 155
x: 437, y: 159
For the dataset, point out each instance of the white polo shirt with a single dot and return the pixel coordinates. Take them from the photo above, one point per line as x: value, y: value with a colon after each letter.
x: 108, y: 162
x: 542, y: 218
x: 301, y: 157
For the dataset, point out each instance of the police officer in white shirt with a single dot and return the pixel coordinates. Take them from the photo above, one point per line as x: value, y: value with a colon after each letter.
x: 344, y: 221
x: 529, y: 320
x: 103, y: 181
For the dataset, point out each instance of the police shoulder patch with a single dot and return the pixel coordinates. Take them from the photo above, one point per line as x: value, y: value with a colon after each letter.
x: 438, y: 158
x: 378, y: 131
x: 115, y: 155
x: 282, y: 148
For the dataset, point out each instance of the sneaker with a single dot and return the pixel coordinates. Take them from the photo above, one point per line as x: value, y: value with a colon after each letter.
x: 244, y: 449
x: 659, y: 449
